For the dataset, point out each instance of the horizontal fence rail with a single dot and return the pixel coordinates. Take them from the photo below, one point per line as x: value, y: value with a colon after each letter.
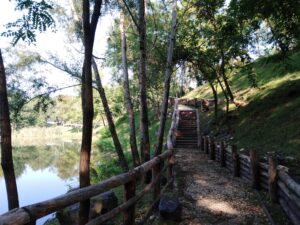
x: 268, y: 177
x: 29, y: 214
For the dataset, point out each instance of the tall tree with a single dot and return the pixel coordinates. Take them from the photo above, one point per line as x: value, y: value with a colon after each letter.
x: 110, y: 121
x: 168, y: 73
x: 100, y: 89
x: 89, y: 30
x: 6, y: 147
x: 144, y: 121
x: 130, y: 111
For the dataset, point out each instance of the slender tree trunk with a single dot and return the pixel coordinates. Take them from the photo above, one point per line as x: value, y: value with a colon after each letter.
x: 100, y: 89
x: 89, y: 30
x: 182, y: 76
x: 103, y: 121
x: 225, y: 93
x: 144, y: 122
x: 225, y: 77
x: 130, y: 111
x: 215, y: 98
x: 6, y: 147
x: 110, y: 120
x: 168, y: 73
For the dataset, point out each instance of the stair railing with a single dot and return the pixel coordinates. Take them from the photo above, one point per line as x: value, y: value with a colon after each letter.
x: 174, y: 125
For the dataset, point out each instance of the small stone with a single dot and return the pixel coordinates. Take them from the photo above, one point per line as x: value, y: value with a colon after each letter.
x: 170, y: 208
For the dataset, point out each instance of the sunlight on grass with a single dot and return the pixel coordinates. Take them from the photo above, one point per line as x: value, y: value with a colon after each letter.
x: 40, y: 136
x: 268, y: 118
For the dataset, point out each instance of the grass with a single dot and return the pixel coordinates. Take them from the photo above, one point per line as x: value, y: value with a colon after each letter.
x: 39, y: 136
x: 108, y: 165
x: 269, y: 119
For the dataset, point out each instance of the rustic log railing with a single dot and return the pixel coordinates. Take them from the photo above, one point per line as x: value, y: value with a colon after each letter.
x: 174, y: 125
x: 28, y: 215
x: 268, y: 177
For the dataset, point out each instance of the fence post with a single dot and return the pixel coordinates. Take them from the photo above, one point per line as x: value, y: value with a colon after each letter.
x: 222, y: 154
x: 129, y: 213
x: 272, y: 182
x: 202, y: 143
x: 235, y: 161
x: 212, y: 149
x: 155, y: 173
x: 170, y: 163
x: 254, y: 166
x: 206, y: 138
x: 198, y: 128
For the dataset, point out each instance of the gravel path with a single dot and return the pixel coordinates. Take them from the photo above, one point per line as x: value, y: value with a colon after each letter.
x: 210, y: 195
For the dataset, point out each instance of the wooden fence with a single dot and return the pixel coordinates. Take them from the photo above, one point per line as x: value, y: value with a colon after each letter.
x: 203, y: 104
x: 268, y: 177
x: 29, y: 214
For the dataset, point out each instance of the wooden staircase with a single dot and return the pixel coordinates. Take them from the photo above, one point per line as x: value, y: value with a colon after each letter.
x: 186, y: 136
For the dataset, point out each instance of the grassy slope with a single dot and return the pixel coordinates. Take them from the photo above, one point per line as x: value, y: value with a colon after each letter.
x: 108, y: 166
x: 269, y: 119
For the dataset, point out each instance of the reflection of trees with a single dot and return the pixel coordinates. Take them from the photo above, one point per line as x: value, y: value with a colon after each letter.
x: 67, y: 162
x: 36, y: 157
x: 64, y: 158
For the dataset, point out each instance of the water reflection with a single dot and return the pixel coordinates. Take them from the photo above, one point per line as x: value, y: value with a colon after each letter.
x: 43, y: 172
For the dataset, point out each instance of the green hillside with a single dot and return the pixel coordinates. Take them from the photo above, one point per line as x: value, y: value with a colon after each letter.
x: 268, y: 118
x: 109, y: 165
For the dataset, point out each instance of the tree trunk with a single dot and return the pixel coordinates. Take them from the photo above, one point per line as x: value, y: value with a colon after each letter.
x: 215, y: 98
x: 182, y: 76
x: 6, y: 147
x: 110, y: 121
x: 228, y: 89
x: 130, y: 111
x: 89, y: 30
x: 144, y: 123
x: 225, y: 94
x: 103, y: 121
x: 168, y: 73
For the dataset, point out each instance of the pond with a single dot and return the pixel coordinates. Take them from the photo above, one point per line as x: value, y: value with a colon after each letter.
x: 43, y: 172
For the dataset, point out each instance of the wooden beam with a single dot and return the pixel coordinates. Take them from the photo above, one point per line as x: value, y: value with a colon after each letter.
x: 235, y: 161
x: 129, y: 213
x: 44, y: 208
x: 254, y: 166
x: 222, y: 154
x: 211, y: 148
x: 272, y: 181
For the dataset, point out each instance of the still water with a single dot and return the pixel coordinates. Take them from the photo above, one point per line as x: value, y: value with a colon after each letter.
x: 43, y: 172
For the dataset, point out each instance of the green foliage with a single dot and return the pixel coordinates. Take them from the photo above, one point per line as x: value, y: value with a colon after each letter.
x: 281, y: 17
x: 158, y: 27
x: 108, y: 165
x: 268, y: 116
x: 36, y: 18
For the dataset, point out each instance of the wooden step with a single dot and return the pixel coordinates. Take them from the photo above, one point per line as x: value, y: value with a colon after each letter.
x: 186, y: 146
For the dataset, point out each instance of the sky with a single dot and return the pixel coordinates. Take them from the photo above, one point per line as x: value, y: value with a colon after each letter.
x: 55, y: 43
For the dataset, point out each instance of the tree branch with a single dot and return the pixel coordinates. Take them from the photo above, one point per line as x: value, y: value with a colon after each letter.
x: 130, y: 13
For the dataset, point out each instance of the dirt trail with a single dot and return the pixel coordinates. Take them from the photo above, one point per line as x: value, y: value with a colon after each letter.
x: 210, y: 195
